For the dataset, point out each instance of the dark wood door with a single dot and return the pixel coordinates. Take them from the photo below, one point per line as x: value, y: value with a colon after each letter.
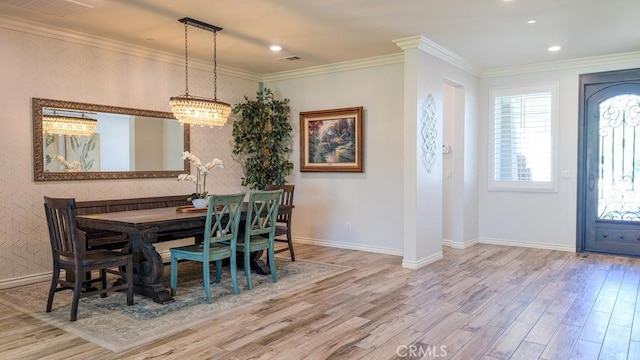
x: 609, y: 183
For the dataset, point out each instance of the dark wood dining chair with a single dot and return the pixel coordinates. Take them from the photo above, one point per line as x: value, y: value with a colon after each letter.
x: 69, y: 252
x: 220, y: 238
x: 259, y: 230
x: 283, y: 223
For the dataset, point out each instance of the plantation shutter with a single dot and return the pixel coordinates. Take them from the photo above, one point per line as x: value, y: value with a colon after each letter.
x: 523, y: 140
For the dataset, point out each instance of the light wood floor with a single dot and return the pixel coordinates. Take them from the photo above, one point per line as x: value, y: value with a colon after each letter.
x: 485, y: 302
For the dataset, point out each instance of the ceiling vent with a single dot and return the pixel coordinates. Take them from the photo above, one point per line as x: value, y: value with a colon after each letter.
x: 61, y: 8
x: 290, y: 58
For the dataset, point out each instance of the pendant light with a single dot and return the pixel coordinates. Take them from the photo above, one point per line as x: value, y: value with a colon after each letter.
x: 64, y: 124
x: 194, y: 110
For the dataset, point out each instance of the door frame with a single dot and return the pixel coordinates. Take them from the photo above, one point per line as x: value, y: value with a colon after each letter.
x: 602, y: 78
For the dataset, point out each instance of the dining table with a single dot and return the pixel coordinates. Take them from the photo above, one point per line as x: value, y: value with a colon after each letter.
x: 143, y: 227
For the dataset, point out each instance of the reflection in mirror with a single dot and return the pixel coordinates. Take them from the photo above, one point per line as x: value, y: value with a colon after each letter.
x: 126, y: 143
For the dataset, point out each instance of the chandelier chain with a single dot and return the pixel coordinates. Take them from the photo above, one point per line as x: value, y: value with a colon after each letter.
x: 215, y: 66
x: 186, y: 62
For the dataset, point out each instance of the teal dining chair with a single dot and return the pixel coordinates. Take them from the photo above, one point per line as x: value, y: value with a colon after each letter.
x: 220, y: 237
x: 259, y: 231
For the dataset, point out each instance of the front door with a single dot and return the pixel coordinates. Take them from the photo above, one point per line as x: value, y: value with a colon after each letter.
x: 609, y: 182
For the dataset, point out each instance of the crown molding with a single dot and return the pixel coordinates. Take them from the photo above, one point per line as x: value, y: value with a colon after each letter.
x: 407, y: 43
x: 430, y: 47
x: 119, y: 47
x: 604, y: 60
x: 336, y: 67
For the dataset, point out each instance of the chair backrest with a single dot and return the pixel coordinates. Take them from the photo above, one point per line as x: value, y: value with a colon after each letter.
x: 223, y: 218
x: 262, y: 212
x: 66, y: 239
x: 285, y: 199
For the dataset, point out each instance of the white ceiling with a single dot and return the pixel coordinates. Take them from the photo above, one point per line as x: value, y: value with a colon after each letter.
x: 487, y: 33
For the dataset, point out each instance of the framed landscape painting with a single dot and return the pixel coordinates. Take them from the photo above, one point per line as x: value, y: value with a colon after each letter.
x: 332, y: 140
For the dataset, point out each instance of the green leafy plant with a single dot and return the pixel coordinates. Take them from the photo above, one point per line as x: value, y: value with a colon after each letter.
x: 84, y: 148
x: 262, y: 139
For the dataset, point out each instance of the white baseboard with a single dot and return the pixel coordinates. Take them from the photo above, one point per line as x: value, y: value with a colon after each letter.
x: 350, y: 246
x: 536, y: 245
x: 460, y: 245
x: 423, y: 262
x: 26, y: 280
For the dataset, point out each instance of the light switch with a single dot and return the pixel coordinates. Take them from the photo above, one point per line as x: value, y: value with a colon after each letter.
x: 565, y: 174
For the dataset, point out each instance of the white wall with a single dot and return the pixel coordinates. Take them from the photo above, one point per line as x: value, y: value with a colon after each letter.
x: 172, y: 145
x: 148, y: 149
x: 450, y: 232
x: 375, y: 202
x: 114, y: 142
x: 64, y: 69
x: 543, y: 220
x: 370, y: 201
x: 453, y: 205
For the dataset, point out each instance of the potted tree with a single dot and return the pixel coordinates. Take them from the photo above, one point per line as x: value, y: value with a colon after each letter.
x: 262, y: 139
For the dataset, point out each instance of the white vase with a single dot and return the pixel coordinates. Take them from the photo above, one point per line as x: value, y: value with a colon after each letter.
x: 199, y: 203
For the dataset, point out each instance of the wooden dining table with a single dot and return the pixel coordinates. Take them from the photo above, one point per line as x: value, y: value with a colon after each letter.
x: 143, y: 227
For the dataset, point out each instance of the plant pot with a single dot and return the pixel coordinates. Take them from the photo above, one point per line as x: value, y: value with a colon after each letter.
x: 200, y: 203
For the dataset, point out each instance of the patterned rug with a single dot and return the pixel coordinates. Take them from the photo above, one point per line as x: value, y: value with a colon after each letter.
x: 109, y: 323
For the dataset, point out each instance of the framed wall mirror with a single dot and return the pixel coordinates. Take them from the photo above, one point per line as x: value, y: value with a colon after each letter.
x: 123, y: 143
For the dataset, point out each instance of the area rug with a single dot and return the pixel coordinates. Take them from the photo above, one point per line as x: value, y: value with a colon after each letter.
x: 109, y: 323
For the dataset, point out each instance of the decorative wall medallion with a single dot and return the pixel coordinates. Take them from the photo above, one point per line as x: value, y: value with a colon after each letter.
x: 429, y: 133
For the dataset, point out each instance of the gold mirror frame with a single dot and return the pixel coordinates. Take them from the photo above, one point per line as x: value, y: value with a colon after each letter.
x: 38, y: 157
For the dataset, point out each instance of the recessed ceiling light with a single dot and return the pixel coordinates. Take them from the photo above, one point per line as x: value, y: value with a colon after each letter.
x: 275, y: 48
x: 554, y: 48
x: 531, y: 21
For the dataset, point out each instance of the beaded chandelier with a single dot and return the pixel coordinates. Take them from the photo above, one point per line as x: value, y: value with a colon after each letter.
x: 68, y: 125
x: 194, y: 110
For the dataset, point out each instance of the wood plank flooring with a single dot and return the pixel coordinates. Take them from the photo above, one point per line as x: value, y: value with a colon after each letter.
x: 485, y: 302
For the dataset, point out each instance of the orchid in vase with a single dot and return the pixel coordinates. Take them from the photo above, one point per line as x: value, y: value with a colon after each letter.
x: 200, y: 178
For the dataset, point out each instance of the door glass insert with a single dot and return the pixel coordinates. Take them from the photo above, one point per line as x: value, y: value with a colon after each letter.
x: 619, y: 158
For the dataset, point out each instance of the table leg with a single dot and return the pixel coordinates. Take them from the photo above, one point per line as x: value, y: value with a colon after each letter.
x: 257, y: 265
x: 148, y: 268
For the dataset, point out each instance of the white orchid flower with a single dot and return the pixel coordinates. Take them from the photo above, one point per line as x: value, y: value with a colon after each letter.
x: 217, y: 163
x: 200, y: 177
x: 186, y: 177
x: 185, y: 155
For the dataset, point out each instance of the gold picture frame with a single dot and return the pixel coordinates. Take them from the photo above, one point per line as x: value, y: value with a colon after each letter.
x: 332, y: 140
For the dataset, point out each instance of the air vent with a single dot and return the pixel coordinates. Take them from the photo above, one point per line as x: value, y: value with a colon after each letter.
x: 61, y: 8
x: 291, y: 58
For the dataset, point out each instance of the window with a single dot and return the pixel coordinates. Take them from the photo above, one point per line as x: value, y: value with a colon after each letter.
x: 523, y: 138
